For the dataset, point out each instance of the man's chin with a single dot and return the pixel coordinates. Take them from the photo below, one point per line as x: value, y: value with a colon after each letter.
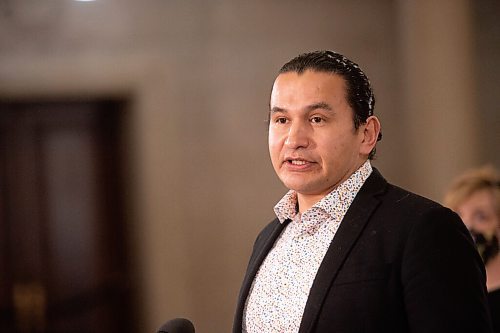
x: 307, y: 189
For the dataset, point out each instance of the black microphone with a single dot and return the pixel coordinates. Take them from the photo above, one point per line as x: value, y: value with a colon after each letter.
x: 177, y: 325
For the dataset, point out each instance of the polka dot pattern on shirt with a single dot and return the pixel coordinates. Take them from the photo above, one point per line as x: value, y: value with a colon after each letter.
x: 281, y: 287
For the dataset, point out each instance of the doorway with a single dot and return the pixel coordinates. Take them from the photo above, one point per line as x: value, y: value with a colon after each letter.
x: 63, y: 250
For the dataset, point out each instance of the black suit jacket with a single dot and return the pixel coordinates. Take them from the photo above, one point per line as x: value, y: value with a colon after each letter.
x: 398, y: 263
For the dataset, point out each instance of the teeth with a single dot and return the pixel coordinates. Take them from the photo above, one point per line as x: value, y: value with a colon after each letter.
x: 297, y: 162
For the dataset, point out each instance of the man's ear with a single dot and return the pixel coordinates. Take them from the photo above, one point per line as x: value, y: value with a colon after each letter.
x: 371, y: 132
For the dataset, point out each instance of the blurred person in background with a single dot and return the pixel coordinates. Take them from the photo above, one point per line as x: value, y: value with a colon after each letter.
x: 475, y: 196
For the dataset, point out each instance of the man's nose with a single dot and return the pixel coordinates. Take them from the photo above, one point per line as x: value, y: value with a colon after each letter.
x: 298, y: 136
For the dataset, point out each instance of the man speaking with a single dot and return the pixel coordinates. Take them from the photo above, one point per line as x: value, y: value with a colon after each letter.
x: 349, y: 252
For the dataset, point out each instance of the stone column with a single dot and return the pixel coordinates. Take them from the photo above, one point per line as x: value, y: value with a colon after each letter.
x: 438, y: 85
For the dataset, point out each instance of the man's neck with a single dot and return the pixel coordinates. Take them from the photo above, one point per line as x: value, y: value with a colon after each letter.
x: 307, y: 201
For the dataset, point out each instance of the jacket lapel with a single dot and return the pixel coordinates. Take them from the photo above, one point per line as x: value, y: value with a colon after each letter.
x: 262, y: 248
x: 348, y: 233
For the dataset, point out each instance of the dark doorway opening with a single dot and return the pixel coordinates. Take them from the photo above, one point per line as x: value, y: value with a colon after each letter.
x: 63, y: 252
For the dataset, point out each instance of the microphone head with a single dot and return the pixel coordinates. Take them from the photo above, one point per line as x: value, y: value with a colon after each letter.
x: 177, y: 325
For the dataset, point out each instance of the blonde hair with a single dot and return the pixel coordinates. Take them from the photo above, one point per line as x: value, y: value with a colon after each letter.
x: 484, y: 178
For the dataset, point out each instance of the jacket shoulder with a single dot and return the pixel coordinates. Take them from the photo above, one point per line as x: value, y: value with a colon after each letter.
x: 390, y: 193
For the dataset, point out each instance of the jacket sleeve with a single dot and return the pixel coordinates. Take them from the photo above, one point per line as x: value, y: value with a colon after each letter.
x: 443, y: 277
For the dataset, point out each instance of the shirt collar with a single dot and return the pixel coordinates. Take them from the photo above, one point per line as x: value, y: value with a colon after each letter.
x: 341, y: 196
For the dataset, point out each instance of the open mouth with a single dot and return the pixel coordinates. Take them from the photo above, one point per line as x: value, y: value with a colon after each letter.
x: 297, y: 162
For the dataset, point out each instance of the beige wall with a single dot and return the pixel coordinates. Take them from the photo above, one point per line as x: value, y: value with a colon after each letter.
x: 198, y: 75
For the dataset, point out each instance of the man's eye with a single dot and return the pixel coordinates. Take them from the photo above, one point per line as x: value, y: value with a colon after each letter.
x: 280, y: 120
x: 316, y: 119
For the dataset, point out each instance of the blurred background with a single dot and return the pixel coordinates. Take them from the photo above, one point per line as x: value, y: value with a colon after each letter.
x: 134, y: 171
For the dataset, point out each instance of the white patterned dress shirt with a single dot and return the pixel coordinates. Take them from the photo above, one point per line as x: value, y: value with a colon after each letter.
x: 281, y: 287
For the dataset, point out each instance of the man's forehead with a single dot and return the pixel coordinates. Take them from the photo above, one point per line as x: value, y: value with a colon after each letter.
x: 309, y: 81
x: 309, y: 73
x: 310, y: 87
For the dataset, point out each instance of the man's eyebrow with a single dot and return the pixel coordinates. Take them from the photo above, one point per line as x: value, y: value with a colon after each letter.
x: 312, y: 107
x: 276, y: 109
